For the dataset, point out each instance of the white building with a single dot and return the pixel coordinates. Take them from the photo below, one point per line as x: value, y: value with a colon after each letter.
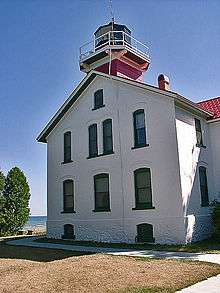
x: 128, y: 161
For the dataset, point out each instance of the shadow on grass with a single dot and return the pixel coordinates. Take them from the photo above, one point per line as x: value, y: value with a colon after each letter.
x: 35, y: 254
x: 207, y: 246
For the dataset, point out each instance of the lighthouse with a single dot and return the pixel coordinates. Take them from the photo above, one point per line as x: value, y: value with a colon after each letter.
x: 115, y: 51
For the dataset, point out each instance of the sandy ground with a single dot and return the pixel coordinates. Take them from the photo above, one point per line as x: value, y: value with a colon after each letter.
x: 97, y: 273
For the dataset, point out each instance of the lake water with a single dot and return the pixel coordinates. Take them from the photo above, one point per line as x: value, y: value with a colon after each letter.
x: 36, y: 222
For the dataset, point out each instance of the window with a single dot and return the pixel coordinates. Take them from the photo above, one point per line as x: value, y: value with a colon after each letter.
x: 101, y: 186
x: 93, y: 145
x: 145, y: 233
x: 203, y: 187
x: 98, y: 99
x: 67, y: 147
x: 68, y: 196
x: 68, y: 232
x: 107, y: 137
x: 139, y: 129
x: 143, y: 191
x: 199, y: 140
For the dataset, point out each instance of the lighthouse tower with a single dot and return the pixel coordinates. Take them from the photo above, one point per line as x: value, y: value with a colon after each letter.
x: 115, y: 51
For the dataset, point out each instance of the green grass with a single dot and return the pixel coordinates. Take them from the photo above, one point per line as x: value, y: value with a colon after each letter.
x: 207, y: 246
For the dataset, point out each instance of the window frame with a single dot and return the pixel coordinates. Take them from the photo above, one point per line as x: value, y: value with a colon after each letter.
x: 135, y: 129
x: 148, y: 227
x: 65, y: 234
x: 67, y: 149
x: 204, y: 197
x: 93, y: 154
x: 145, y: 205
x: 199, y: 133
x: 105, y: 137
x: 107, y: 207
x: 65, y: 209
x: 96, y: 97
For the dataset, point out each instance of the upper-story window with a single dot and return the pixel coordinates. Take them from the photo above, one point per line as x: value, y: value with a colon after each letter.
x: 93, y: 143
x: 143, y: 190
x: 139, y: 128
x: 203, y: 187
x: 68, y: 196
x: 67, y: 147
x: 107, y: 137
x: 101, y: 185
x: 98, y: 99
x: 199, y: 138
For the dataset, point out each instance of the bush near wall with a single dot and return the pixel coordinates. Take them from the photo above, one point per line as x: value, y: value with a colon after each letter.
x: 216, y: 219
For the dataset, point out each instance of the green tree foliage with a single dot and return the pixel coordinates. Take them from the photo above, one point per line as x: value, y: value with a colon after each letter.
x: 16, y: 196
x: 216, y: 219
x: 2, y: 182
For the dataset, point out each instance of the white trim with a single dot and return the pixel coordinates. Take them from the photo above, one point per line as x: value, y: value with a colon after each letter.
x: 213, y: 120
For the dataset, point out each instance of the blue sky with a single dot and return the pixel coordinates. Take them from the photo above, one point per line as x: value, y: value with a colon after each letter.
x: 39, y: 51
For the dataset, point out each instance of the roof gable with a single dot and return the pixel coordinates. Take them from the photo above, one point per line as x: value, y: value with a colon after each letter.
x: 90, y: 77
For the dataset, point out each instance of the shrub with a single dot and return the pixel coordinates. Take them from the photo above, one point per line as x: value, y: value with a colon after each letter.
x: 216, y: 219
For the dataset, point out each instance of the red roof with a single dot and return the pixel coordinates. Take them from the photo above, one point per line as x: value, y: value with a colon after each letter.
x: 212, y: 105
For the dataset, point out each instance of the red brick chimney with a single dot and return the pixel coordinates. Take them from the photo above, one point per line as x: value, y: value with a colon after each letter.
x: 163, y: 82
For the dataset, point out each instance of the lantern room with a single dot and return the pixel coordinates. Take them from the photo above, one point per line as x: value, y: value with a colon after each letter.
x: 115, y: 51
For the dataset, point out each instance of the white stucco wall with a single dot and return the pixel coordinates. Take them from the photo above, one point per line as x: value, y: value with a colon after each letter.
x: 120, y: 100
x: 172, y: 156
x: 197, y: 219
x: 214, y: 130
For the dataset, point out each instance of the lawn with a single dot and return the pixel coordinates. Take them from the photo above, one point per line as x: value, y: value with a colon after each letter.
x: 26, y: 269
x: 207, y: 246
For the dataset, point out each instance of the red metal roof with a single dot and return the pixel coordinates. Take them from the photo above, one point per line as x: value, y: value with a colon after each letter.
x: 212, y: 105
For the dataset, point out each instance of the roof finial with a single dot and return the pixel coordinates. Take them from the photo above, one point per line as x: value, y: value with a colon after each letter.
x: 111, y: 11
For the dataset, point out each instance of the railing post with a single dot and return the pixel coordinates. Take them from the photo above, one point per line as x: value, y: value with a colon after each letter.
x: 94, y: 43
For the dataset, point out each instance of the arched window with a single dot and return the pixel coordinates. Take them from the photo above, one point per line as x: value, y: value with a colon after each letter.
x: 68, y: 232
x: 139, y: 129
x: 203, y: 187
x: 98, y: 99
x: 101, y: 187
x: 145, y: 233
x: 107, y: 137
x: 68, y: 196
x: 67, y: 147
x: 93, y: 144
x: 143, y: 190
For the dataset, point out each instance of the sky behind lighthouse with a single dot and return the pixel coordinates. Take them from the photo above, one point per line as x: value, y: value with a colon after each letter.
x: 39, y: 53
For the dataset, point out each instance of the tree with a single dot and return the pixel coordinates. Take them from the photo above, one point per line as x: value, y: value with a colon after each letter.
x: 16, y: 196
x: 2, y: 182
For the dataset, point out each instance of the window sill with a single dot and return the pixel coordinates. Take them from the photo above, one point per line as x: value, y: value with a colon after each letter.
x: 106, y: 154
x: 143, y: 208
x: 101, y: 155
x: 96, y: 108
x: 64, y: 163
x: 92, y: 157
x: 101, y: 210
x: 68, y: 212
x: 205, y: 206
x: 141, y: 146
x: 200, y: 146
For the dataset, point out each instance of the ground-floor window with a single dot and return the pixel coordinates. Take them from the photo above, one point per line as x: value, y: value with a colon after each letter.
x: 144, y: 233
x: 68, y: 232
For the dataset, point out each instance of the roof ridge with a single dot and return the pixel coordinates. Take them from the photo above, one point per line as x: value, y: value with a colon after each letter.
x: 211, y: 99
